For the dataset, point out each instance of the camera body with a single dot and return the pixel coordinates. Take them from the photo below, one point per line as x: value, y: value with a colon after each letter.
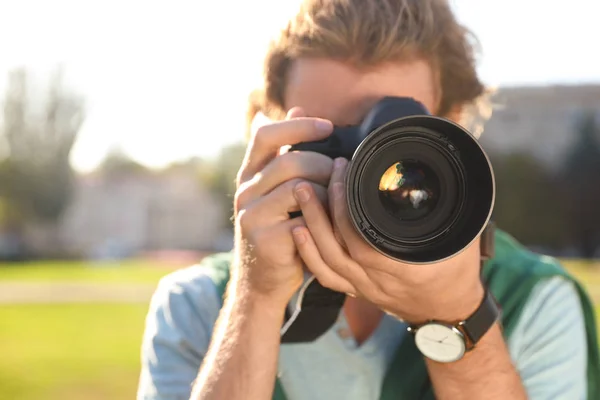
x: 419, y: 188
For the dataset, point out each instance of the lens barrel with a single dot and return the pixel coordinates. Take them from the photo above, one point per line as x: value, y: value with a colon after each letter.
x: 420, y: 189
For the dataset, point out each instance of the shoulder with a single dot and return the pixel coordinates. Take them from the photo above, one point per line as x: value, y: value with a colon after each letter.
x: 549, y: 343
x: 183, y: 302
x: 554, y: 303
x: 190, y: 299
x: 544, y: 315
x: 195, y: 289
x: 178, y: 329
x: 515, y: 273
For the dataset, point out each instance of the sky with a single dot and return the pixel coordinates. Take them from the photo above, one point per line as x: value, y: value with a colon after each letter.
x: 168, y: 80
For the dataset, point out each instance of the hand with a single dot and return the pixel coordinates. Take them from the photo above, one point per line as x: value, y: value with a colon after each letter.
x: 267, y: 260
x: 446, y: 291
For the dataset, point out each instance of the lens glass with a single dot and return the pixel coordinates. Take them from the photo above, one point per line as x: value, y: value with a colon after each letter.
x: 409, y: 190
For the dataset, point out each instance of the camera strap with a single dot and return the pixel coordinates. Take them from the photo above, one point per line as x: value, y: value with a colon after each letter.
x: 318, y: 308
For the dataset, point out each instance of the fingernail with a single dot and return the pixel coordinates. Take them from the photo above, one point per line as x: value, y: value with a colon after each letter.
x: 323, y: 125
x: 302, y: 194
x: 339, y: 162
x: 299, y: 235
x: 338, y: 190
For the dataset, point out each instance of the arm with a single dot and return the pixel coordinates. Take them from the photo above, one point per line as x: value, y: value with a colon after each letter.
x: 484, y: 372
x: 446, y: 291
x: 242, y: 360
x: 548, y: 349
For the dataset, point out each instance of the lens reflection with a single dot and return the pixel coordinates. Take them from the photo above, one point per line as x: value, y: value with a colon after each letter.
x: 409, y: 190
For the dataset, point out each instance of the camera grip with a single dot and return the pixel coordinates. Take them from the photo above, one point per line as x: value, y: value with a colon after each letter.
x: 333, y: 146
x: 329, y: 147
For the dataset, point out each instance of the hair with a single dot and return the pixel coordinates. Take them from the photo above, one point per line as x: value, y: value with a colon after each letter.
x: 368, y: 33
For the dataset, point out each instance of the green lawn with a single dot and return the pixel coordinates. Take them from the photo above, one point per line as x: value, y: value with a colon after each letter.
x: 134, y: 271
x: 70, y: 352
x: 73, y: 351
x: 91, y: 351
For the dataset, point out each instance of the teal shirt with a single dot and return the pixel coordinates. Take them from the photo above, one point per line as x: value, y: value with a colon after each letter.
x: 548, y: 346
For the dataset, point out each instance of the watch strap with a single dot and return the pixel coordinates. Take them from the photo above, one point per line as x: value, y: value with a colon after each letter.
x: 482, y: 319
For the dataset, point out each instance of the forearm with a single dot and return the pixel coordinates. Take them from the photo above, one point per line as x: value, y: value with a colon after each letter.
x: 485, y: 372
x: 242, y: 360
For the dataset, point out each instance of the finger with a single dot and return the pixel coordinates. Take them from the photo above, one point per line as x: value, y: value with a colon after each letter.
x: 322, y: 232
x: 339, y: 209
x: 309, y: 166
x: 277, y: 231
x: 274, y: 241
x: 268, y: 138
x: 295, y: 112
x: 276, y: 205
x: 314, y: 262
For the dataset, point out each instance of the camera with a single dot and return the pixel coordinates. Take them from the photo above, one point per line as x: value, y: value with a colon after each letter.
x: 419, y: 188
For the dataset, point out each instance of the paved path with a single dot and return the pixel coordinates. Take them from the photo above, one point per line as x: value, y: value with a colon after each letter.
x: 79, y: 292
x: 74, y: 292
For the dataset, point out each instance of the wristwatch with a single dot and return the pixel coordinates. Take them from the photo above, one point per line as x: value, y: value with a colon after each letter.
x: 445, y: 343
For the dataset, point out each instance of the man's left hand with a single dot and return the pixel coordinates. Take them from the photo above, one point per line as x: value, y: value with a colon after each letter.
x: 341, y: 260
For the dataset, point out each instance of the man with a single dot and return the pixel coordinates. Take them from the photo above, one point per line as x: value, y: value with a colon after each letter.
x: 330, y: 65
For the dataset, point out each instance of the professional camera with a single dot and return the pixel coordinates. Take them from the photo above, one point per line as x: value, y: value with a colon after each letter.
x: 419, y: 188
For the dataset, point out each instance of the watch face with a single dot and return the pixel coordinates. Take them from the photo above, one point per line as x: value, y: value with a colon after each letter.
x: 440, y: 342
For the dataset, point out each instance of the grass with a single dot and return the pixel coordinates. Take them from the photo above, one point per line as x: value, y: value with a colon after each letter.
x: 91, y: 351
x: 586, y: 272
x: 134, y: 271
x: 70, y: 351
x: 73, y: 351
x: 589, y: 275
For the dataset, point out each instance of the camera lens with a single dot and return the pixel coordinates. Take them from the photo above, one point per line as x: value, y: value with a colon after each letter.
x: 409, y: 190
x: 419, y: 189
x: 414, y: 200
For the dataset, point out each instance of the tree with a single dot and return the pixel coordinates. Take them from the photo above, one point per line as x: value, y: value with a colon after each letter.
x: 38, y: 133
x: 219, y: 175
x: 527, y: 205
x: 580, y: 183
x: 117, y: 163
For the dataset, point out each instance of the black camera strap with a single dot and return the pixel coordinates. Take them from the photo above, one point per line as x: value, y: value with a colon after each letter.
x: 316, y: 311
x: 318, y: 308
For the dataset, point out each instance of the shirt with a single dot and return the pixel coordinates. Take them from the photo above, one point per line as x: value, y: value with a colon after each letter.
x: 548, y: 346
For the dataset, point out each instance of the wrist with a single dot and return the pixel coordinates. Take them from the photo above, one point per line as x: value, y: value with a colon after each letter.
x: 251, y: 284
x: 460, y: 303
x: 455, y: 303
x: 253, y: 301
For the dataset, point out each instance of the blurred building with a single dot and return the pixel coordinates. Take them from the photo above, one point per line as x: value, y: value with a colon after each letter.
x: 116, y: 216
x: 538, y: 120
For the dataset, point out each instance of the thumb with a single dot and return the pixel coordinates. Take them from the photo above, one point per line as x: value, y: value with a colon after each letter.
x: 295, y: 112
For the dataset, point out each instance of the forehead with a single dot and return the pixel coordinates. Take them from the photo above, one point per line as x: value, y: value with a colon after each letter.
x: 339, y: 92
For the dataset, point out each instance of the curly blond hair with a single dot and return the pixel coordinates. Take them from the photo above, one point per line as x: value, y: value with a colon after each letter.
x: 366, y: 33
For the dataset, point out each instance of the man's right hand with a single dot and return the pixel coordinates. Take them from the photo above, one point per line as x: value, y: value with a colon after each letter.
x: 267, y: 259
